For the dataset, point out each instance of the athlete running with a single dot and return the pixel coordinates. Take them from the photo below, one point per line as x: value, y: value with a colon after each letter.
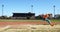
x: 45, y: 17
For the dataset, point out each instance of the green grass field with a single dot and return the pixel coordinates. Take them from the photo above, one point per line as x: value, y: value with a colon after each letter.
x: 13, y: 20
x: 55, y: 20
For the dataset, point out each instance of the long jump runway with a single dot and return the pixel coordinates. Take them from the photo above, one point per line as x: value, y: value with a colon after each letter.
x: 17, y: 23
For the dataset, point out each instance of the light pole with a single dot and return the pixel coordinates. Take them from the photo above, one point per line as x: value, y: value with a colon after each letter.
x: 31, y: 8
x: 54, y: 10
x: 2, y: 9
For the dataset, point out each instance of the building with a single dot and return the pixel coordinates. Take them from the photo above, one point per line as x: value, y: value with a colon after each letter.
x: 57, y: 16
x: 23, y: 15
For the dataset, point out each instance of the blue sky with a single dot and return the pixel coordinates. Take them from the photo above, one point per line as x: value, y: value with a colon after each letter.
x: 24, y: 6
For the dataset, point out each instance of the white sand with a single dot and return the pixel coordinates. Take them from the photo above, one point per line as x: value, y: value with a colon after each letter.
x: 31, y: 27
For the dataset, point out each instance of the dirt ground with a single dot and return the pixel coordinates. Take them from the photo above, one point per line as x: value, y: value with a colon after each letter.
x: 17, y: 23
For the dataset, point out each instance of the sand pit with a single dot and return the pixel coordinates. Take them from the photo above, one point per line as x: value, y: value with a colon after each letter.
x: 28, y: 28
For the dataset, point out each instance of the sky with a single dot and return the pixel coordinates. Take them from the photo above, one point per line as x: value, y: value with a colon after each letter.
x: 24, y: 6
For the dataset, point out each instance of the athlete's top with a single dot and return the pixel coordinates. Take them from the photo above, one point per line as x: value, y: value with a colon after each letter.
x: 45, y: 16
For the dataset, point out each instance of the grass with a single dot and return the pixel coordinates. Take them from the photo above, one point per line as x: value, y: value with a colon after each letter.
x: 11, y: 20
x: 55, y: 20
x: 14, y: 20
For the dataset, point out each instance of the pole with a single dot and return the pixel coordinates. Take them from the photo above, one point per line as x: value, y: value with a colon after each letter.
x: 2, y: 9
x: 31, y: 8
x: 54, y: 11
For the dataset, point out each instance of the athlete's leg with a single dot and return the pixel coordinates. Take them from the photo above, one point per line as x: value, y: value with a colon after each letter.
x: 47, y: 20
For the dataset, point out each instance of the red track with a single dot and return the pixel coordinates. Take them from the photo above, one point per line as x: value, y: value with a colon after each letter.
x: 18, y: 23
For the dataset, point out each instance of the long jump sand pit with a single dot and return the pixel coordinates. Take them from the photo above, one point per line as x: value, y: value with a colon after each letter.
x: 30, y: 28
